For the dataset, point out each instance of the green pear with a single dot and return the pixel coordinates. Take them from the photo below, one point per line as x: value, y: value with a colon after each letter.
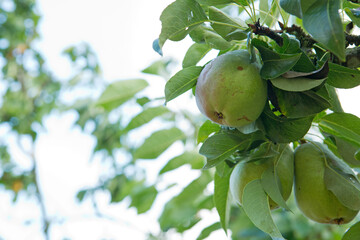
x: 245, y: 172
x: 312, y: 197
x: 230, y: 91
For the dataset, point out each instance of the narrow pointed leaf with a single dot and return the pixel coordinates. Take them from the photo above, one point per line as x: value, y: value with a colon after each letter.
x: 298, y: 84
x: 208, y: 230
x: 291, y: 6
x: 119, y: 92
x: 145, y: 116
x: 222, y: 199
x: 193, y: 158
x: 181, y: 82
x: 322, y: 20
x: 157, y: 143
x: 269, y: 182
x: 258, y: 210
x: 223, y: 24
x: 194, y: 54
x: 343, y: 125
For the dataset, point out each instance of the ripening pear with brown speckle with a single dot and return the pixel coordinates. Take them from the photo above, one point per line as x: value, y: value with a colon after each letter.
x: 230, y: 90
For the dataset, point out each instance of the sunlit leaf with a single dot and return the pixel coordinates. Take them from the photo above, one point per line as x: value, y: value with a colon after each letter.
x: 179, y: 18
x: 181, y: 211
x: 142, y: 198
x: 119, y: 92
x: 206, y: 129
x: 202, y: 34
x: 194, y: 54
x: 259, y: 211
x: 342, y: 125
x: 193, y: 158
x: 157, y: 143
x: 224, y: 24
x: 214, y: 2
x: 145, y: 116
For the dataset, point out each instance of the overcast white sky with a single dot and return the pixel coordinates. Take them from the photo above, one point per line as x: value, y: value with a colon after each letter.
x: 121, y: 33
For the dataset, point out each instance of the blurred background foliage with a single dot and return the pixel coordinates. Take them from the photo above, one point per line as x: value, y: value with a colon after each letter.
x: 29, y: 92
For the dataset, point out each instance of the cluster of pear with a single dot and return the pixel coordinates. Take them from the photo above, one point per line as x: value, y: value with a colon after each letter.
x: 306, y: 169
x: 231, y: 92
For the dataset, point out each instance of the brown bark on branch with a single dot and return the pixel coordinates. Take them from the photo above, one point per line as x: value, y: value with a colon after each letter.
x: 265, y: 31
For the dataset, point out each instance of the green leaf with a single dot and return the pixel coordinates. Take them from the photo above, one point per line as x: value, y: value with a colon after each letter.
x: 264, y: 151
x: 298, y: 84
x: 341, y: 180
x: 300, y: 104
x: 290, y: 45
x: 214, y: 2
x: 142, y: 101
x: 157, y: 143
x: 304, y: 64
x: 357, y: 155
x: 347, y: 151
x: 282, y: 129
x: 146, y: 116
x: 119, y: 92
x: 334, y: 99
x: 206, y: 129
x: 142, y: 198
x: 158, y: 68
x: 208, y: 230
x: 222, y: 199
x: 322, y: 20
x: 270, y: 183
x: 354, y: 15
x: 179, y: 18
x: 81, y: 195
x: 343, y: 125
x: 181, y: 82
x: 274, y: 64
x: 194, y: 54
x: 352, y: 233
x: 181, y: 210
x: 193, y: 158
x: 268, y: 12
x: 343, y: 77
x: 205, y: 34
x: 223, y: 24
x: 258, y: 210
x: 221, y: 146
x: 292, y: 6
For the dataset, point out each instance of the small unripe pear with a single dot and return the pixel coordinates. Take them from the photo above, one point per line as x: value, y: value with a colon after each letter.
x: 312, y: 197
x: 230, y: 91
x: 245, y: 172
